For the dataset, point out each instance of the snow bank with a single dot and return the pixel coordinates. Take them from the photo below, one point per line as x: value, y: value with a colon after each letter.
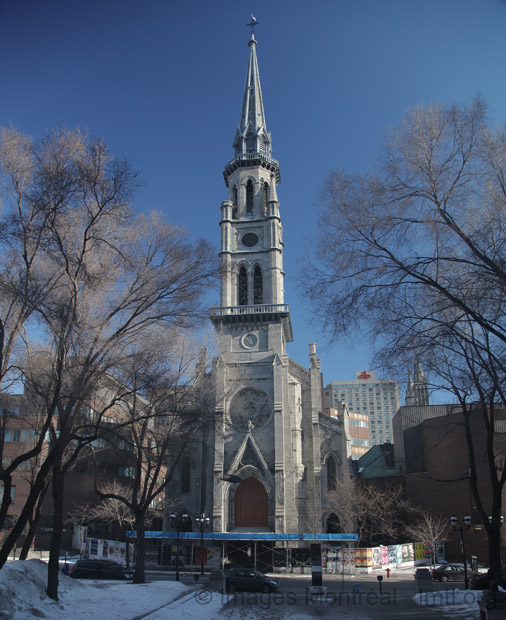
x: 461, y: 603
x: 23, y: 597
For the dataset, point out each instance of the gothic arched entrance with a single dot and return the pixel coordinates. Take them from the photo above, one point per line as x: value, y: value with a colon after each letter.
x: 251, y: 504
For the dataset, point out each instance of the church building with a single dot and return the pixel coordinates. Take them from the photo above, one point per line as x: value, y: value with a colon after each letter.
x: 269, y: 459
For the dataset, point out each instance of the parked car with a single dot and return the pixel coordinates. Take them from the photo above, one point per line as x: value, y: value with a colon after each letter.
x: 100, y: 569
x: 481, y: 581
x: 450, y: 572
x: 250, y: 580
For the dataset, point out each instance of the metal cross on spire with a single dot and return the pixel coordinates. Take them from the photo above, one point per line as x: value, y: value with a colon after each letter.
x: 252, y: 24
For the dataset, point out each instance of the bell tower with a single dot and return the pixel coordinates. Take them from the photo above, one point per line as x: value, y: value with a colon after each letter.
x: 251, y: 231
x: 253, y: 326
x: 263, y: 463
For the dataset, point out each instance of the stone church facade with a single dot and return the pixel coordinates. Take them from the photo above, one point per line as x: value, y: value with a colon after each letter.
x: 270, y: 456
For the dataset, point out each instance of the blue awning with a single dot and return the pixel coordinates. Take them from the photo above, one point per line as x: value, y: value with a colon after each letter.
x: 266, y: 536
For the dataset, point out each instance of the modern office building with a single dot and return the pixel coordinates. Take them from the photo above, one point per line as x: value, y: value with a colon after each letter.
x: 366, y: 395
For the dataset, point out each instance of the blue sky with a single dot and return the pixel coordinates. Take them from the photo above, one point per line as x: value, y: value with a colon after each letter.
x: 161, y: 81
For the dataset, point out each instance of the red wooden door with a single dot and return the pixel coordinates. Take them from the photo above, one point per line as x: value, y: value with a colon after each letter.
x: 251, y: 504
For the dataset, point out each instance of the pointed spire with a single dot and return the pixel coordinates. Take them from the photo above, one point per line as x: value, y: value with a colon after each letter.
x: 273, y: 195
x: 410, y: 396
x: 419, y: 376
x: 417, y: 392
x: 252, y: 135
x: 252, y: 142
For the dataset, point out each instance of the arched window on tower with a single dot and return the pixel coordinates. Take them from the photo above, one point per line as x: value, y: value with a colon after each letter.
x: 249, y: 196
x: 258, y: 296
x: 234, y: 200
x: 265, y: 197
x: 242, y: 287
x: 331, y: 473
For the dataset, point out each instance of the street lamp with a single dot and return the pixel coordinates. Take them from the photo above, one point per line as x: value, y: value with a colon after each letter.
x: 467, y: 521
x: 203, y: 522
x: 177, y: 521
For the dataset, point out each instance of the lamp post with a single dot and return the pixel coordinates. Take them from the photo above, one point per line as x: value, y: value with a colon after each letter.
x: 454, y: 522
x: 496, y: 578
x: 177, y: 521
x: 203, y: 521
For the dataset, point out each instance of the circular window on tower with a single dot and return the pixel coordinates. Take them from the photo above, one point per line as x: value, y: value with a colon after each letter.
x: 249, y: 239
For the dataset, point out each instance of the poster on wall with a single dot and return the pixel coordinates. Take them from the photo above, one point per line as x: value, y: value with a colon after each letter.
x: 395, y: 554
x: 384, y: 557
x: 93, y: 546
x: 364, y: 557
x: 421, y: 552
x: 111, y: 549
x: 376, y: 557
x: 408, y: 553
x: 116, y: 551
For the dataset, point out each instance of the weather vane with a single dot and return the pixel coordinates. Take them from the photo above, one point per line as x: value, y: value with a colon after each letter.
x: 253, y: 23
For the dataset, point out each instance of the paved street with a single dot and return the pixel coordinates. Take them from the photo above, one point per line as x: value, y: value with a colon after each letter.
x: 358, y: 597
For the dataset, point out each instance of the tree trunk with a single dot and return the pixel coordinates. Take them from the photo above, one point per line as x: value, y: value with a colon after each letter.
x: 494, y: 556
x: 27, y: 545
x: 27, y: 511
x: 6, y: 499
x: 53, y: 571
x: 140, y: 549
x: 127, y: 553
x: 33, y: 523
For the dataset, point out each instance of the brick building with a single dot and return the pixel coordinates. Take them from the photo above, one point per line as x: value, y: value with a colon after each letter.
x: 431, y: 453
x: 108, y: 458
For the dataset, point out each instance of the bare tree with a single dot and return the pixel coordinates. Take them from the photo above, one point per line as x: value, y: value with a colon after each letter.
x: 414, y: 256
x: 377, y: 512
x: 431, y: 529
x: 112, y: 510
x: 164, y: 411
x: 107, y: 276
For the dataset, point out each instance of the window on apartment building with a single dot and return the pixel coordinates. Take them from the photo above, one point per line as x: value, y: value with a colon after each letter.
x: 126, y: 471
x: 363, y: 443
x: 12, y: 434
x: 10, y: 412
x: 27, y: 465
x: 28, y: 434
x: 99, y: 443
x: 13, y: 493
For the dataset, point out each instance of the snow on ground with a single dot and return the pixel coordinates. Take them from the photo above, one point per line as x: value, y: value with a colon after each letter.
x: 459, y: 603
x: 23, y: 597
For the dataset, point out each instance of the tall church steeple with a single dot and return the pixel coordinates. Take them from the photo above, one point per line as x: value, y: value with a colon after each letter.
x: 252, y: 135
x: 252, y: 283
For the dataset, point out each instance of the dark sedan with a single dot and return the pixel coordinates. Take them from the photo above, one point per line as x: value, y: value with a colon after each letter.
x: 247, y: 579
x: 481, y: 581
x: 100, y: 569
x: 449, y: 572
